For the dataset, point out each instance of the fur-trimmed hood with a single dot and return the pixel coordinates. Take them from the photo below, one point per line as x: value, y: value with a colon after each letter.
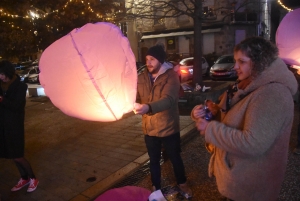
x: 277, y: 72
x: 250, y: 145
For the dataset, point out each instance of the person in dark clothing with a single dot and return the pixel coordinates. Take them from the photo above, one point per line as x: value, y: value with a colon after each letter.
x: 12, y: 114
x: 297, y: 148
x: 157, y: 102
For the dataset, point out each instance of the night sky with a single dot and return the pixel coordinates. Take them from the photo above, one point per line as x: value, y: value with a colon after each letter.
x: 276, y: 15
x: 291, y: 3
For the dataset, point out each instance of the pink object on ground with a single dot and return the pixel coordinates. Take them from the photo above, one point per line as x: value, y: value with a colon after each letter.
x: 91, y: 73
x: 287, y: 38
x: 127, y: 193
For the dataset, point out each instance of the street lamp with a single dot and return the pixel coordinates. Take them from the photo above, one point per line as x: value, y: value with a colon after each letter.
x: 36, y: 13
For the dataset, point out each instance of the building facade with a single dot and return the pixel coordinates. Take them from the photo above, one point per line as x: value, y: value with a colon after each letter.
x: 224, y: 24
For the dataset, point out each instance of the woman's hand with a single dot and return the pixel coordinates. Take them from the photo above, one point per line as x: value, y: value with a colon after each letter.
x: 201, y: 125
x: 198, y: 112
x: 213, y: 108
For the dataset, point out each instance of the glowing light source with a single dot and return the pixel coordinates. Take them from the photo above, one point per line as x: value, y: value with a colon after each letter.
x: 90, y: 73
x: 287, y: 38
x: 297, y: 68
x: 34, y: 15
x: 183, y: 71
x: 289, y: 9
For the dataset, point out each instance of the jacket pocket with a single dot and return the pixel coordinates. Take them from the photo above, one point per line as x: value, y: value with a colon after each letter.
x: 165, y: 122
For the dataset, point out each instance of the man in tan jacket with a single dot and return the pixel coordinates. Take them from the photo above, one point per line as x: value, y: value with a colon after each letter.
x: 157, y: 100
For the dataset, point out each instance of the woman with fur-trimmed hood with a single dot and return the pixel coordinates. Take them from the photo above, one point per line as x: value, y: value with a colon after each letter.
x: 249, y: 144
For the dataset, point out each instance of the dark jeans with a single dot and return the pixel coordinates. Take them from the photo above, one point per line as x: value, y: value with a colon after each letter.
x: 172, y: 147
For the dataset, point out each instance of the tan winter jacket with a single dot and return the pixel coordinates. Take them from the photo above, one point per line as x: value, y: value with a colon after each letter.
x: 251, y: 143
x: 163, y: 99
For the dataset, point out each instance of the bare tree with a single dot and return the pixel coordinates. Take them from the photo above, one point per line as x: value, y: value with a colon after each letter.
x: 29, y: 26
x: 159, y: 10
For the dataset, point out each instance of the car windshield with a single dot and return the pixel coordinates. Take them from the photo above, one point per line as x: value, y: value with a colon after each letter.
x: 225, y: 60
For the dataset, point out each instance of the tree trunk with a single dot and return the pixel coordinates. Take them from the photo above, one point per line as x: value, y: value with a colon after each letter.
x: 197, y: 68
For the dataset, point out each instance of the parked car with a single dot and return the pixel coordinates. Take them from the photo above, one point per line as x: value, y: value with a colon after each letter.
x: 24, y: 74
x: 223, y: 68
x: 35, y: 62
x: 19, y: 69
x: 186, y: 68
x: 141, y: 69
x: 20, y: 66
x: 34, y: 78
x: 139, y: 65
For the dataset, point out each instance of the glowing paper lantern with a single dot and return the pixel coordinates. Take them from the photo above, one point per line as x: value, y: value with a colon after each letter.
x: 287, y: 38
x: 90, y: 73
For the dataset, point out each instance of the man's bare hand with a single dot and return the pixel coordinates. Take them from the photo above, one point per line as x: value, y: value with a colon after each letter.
x: 140, y: 108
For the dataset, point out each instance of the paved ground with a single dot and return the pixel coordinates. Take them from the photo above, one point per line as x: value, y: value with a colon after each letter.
x: 196, y: 160
x: 78, y: 160
x: 75, y: 159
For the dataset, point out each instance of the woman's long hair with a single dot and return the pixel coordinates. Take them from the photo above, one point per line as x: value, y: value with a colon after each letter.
x: 7, y: 69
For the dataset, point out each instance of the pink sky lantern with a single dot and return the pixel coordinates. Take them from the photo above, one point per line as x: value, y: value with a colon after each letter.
x: 91, y: 73
x: 126, y: 193
x: 288, y: 39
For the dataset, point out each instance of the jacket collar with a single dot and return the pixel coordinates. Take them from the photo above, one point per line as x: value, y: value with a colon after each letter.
x: 164, y: 67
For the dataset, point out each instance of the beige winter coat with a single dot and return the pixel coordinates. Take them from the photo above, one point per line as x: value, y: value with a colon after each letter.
x: 251, y: 143
x: 163, y: 99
